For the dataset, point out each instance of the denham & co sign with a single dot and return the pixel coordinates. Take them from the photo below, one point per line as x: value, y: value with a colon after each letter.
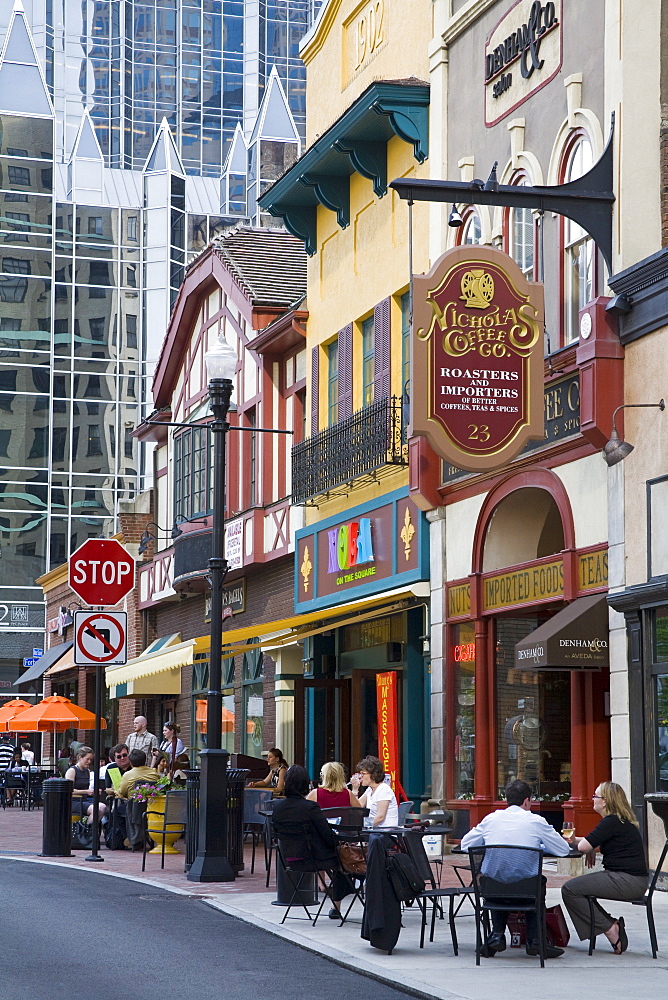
x: 477, y: 358
x: 523, y: 53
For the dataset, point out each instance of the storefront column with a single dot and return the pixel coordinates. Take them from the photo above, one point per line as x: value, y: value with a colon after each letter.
x: 590, y: 755
x: 485, y: 726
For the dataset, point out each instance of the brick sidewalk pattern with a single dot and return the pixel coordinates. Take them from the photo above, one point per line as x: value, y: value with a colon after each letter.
x: 21, y: 834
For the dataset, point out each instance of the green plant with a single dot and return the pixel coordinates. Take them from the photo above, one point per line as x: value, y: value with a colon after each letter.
x: 149, y: 790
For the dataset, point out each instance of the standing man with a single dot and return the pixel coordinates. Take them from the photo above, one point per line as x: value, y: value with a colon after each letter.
x: 7, y: 751
x: 141, y: 739
x: 516, y: 826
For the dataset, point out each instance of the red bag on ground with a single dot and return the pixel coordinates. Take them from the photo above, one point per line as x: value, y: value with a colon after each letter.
x: 557, y: 928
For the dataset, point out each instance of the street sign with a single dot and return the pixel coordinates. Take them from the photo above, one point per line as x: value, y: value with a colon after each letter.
x: 37, y: 653
x: 28, y: 661
x: 101, y: 571
x: 100, y: 637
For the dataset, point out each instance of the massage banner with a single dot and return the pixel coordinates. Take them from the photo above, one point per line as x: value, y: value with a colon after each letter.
x: 388, y: 733
x: 477, y: 358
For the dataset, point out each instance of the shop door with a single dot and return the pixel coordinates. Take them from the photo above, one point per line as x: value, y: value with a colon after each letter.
x: 365, y: 714
x: 322, y: 723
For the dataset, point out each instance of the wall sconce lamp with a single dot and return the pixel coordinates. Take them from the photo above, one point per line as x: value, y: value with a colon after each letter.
x: 616, y: 450
x: 176, y: 532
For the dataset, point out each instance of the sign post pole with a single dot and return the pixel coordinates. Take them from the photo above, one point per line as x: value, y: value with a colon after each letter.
x: 101, y: 572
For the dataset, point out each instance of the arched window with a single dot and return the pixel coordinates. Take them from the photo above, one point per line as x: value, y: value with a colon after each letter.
x: 579, y: 248
x: 471, y: 232
x: 520, y: 238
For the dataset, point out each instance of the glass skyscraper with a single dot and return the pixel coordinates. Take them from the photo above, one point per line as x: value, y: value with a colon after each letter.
x: 131, y: 133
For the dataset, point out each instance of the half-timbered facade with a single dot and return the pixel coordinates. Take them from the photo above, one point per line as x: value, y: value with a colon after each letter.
x: 247, y: 288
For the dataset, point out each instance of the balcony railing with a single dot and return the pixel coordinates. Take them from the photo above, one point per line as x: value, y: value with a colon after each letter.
x: 360, y: 448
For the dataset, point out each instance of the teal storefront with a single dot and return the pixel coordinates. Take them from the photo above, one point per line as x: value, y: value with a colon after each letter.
x: 370, y: 565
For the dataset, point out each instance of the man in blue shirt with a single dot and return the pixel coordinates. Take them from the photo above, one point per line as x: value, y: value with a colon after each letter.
x: 514, y: 826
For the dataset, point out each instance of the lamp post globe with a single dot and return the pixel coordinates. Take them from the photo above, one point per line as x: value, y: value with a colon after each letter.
x: 220, y: 360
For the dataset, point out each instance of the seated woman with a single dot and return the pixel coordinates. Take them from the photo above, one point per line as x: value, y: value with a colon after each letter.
x: 299, y: 823
x: 278, y: 767
x: 81, y: 775
x: 332, y: 792
x: 625, y: 869
x: 378, y: 798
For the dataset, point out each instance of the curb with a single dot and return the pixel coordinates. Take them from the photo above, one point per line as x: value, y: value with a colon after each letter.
x: 397, y: 981
x: 336, y: 957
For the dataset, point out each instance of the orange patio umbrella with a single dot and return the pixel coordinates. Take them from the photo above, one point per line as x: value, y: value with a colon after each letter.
x: 227, y: 717
x: 9, y: 710
x: 58, y: 714
x: 54, y: 715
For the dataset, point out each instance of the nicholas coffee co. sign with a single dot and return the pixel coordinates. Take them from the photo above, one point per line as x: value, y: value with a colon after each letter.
x: 522, y: 53
x: 477, y: 358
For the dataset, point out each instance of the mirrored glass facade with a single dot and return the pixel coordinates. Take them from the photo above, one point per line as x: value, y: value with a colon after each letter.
x: 96, y: 228
x: 202, y: 64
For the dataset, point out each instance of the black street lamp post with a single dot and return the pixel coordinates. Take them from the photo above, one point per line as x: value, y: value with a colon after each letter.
x: 211, y: 863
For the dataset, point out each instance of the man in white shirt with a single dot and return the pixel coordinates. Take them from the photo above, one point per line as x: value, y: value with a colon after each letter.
x: 515, y: 826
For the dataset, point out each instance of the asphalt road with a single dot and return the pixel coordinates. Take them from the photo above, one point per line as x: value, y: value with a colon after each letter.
x: 68, y: 935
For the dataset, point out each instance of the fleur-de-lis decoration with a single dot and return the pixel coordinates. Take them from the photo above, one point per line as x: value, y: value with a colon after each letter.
x: 306, y: 568
x: 407, y: 533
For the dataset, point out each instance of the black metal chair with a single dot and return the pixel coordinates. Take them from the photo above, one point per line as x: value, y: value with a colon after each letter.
x: 298, y: 869
x: 255, y: 803
x: 173, y: 821
x: 268, y: 837
x: 351, y: 819
x: 433, y: 894
x: 509, y: 879
x: 646, y: 901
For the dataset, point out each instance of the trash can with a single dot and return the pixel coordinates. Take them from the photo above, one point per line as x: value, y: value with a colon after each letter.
x: 57, y: 818
x: 192, y: 817
x: 285, y: 890
x: 236, y: 779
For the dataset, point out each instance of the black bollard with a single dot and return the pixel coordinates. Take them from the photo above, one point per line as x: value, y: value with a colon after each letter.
x: 57, y: 818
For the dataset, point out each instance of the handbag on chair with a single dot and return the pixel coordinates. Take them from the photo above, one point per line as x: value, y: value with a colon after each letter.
x: 352, y: 859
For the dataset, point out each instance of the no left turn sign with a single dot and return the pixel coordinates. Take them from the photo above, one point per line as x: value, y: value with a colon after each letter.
x: 100, y: 637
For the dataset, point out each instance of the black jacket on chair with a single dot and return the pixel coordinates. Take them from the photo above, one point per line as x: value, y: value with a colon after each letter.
x: 294, y: 819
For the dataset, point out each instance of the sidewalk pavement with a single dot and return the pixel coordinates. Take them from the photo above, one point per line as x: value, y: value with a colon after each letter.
x: 431, y: 972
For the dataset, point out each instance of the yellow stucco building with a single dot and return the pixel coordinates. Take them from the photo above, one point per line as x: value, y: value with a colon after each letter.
x: 364, y: 550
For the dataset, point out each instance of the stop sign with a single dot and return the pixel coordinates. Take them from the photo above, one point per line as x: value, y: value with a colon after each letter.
x: 101, y: 571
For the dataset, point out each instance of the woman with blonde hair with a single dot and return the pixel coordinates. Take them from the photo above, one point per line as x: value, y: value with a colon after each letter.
x: 332, y: 793
x: 625, y: 870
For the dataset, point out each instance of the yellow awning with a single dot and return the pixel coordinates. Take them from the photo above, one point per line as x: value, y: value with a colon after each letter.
x: 155, y: 673
x: 66, y: 662
x: 286, y: 630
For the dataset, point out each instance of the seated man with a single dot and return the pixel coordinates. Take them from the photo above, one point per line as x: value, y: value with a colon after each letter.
x: 516, y: 826
x: 138, y: 772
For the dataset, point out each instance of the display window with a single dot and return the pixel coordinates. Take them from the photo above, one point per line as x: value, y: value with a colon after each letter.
x: 533, y: 712
x: 463, y: 654
x: 660, y: 643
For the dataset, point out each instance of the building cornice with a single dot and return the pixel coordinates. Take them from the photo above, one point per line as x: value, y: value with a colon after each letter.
x: 464, y: 18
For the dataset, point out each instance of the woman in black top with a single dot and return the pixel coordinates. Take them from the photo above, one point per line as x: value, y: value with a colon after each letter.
x: 625, y: 869
x: 306, y: 839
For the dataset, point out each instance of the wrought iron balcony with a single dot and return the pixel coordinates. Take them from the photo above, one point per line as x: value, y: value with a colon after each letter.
x: 352, y: 453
